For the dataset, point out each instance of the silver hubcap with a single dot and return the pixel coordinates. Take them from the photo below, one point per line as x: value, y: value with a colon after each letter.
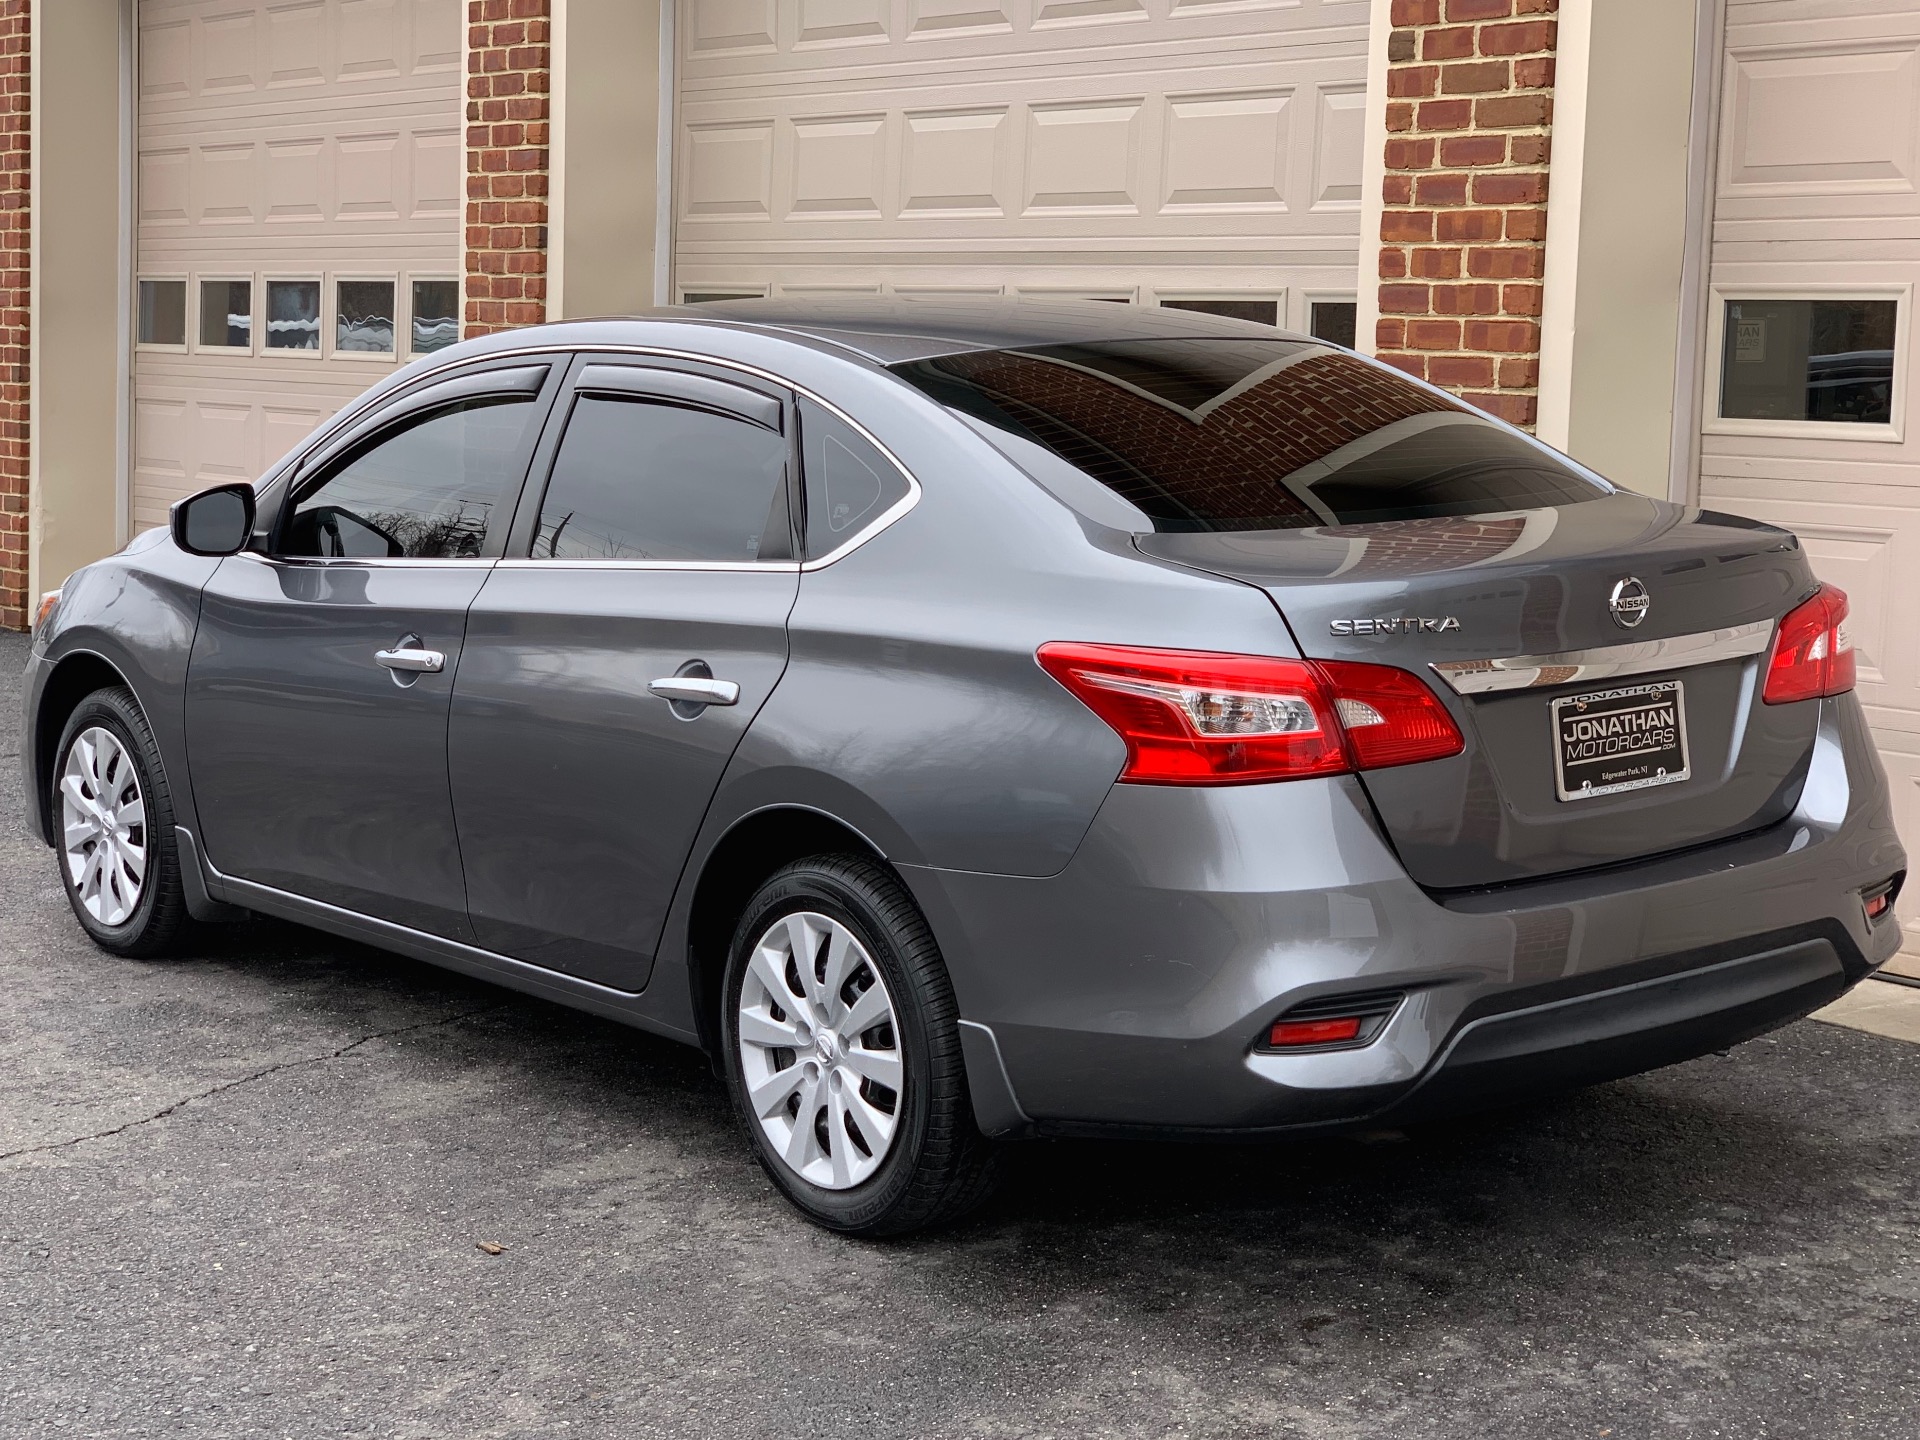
x: 103, y: 820
x: 820, y: 1051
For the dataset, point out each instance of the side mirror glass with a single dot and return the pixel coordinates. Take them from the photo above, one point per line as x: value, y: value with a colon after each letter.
x: 214, y: 522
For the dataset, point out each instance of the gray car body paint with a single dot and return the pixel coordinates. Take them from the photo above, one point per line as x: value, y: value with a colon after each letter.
x: 1116, y: 949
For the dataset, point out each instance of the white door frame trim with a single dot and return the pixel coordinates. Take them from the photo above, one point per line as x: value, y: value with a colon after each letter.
x: 1703, y: 147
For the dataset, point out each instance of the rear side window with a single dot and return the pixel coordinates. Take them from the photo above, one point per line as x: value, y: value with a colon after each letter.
x: 1213, y: 434
x: 425, y: 492
x: 642, y: 480
x: 850, y: 484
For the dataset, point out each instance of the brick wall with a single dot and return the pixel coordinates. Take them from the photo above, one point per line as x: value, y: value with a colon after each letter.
x: 1463, y: 233
x: 15, y: 262
x: 509, y: 75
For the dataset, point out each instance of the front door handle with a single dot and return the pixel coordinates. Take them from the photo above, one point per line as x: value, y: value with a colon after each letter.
x: 696, y: 690
x: 412, y: 657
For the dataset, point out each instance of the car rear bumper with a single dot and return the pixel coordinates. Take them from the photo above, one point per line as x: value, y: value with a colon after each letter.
x: 1130, y: 991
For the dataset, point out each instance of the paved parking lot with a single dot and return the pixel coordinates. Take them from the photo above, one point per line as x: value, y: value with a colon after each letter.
x: 241, y: 1195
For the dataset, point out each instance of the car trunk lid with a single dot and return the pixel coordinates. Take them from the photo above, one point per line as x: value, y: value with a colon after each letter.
x: 1451, y: 596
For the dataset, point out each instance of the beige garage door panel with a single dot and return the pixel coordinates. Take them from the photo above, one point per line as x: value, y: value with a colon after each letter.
x: 316, y: 140
x: 1107, y: 148
x: 1818, y: 195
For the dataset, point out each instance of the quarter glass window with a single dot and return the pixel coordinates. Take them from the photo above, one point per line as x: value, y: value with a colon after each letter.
x: 849, y: 482
x: 642, y: 480
x: 1809, y: 360
x: 426, y: 493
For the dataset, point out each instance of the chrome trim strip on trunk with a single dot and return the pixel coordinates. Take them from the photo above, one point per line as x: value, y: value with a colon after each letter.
x: 1527, y: 672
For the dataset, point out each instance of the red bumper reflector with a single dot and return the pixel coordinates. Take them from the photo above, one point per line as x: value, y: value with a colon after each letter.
x: 1314, y: 1032
x: 1877, y: 906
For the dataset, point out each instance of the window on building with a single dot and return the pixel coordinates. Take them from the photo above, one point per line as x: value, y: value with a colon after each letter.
x: 163, y: 312
x: 436, y: 315
x: 640, y: 480
x: 226, y: 314
x: 424, y: 492
x: 293, y: 314
x: 363, y: 317
x: 1261, y: 312
x: 849, y: 483
x: 1821, y: 360
x: 1334, y: 321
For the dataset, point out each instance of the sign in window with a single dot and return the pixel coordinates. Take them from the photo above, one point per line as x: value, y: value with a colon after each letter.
x: 1821, y: 360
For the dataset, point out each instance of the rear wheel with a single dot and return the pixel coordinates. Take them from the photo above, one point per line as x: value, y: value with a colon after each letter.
x: 113, y: 818
x: 843, y: 1052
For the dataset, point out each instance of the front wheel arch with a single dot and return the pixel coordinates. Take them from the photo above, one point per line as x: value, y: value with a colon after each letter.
x: 75, y: 676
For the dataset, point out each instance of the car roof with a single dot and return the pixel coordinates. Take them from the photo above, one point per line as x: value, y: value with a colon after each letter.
x: 892, y: 328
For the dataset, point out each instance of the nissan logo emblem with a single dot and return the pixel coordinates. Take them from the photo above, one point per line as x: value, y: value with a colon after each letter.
x: 1629, y: 603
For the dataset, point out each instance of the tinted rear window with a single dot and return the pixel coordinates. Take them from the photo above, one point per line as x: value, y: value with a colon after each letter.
x: 1255, y: 434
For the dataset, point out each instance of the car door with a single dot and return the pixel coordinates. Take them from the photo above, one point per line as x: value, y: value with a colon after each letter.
x: 615, y: 658
x: 318, y: 688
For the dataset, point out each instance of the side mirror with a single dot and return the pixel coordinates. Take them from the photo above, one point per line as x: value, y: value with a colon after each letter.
x: 214, y: 522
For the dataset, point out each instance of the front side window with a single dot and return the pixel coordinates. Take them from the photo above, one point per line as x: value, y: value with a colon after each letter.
x: 1820, y: 360
x: 425, y: 492
x: 639, y: 479
x: 1211, y: 434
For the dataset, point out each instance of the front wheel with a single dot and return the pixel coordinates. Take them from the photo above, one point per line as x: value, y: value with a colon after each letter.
x: 843, y: 1052
x: 113, y: 818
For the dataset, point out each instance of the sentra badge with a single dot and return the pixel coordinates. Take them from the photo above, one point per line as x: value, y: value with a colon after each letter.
x: 1397, y: 625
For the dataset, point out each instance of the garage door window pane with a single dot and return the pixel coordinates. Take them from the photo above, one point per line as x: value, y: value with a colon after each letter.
x: 436, y: 315
x: 293, y: 315
x: 363, y: 319
x: 163, y: 312
x: 636, y: 480
x: 1261, y: 312
x: 425, y: 493
x: 1829, y: 360
x: 1335, y: 321
x: 226, y: 314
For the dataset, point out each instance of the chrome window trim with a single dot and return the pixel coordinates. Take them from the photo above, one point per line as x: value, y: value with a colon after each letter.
x: 529, y: 562
x: 860, y: 537
x: 385, y: 562
x: 1679, y: 652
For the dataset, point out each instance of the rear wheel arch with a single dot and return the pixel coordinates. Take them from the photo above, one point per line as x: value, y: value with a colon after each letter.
x: 75, y: 676
x: 735, y: 868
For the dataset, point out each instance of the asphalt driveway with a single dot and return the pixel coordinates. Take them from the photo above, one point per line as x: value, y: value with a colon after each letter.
x: 242, y: 1195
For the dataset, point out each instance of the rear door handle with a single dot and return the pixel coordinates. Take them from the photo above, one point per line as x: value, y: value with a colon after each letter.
x: 696, y: 690
x: 412, y: 658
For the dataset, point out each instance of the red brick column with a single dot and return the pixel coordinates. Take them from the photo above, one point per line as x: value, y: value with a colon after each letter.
x: 1463, y: 233
x: 509, y: 82
x: 16, y: 262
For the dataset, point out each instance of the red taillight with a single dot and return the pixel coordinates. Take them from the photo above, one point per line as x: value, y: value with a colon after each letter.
x: 1288, y: 1033
x: 1192, y: 717
x: 1812, y: 654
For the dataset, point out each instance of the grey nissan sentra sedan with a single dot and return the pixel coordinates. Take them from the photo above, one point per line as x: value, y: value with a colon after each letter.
x: 971, y: 721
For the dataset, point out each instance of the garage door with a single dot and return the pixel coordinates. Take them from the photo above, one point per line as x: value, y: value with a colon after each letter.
x: 298, y: 199
x: 1156, y: 151
x: 1816, y: 248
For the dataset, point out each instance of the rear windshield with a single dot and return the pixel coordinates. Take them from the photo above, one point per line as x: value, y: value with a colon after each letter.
x: 1254, y: 434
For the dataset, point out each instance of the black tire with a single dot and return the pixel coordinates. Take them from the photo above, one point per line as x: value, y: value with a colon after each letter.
x: 939, y: 1166
x: 159, y: 921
